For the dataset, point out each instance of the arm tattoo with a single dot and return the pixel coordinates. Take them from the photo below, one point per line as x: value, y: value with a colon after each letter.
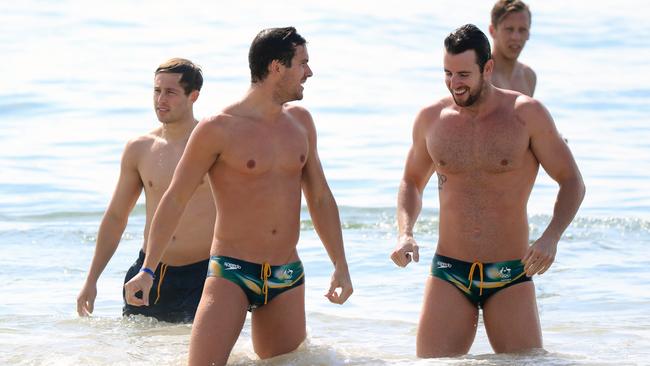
x: 441, y: 180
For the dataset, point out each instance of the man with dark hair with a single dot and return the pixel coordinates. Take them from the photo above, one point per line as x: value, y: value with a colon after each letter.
x: 259, y: 154
x: 272, y: 44
x: 148, y: 163
x: 509, y: 28
x: 486, y: 145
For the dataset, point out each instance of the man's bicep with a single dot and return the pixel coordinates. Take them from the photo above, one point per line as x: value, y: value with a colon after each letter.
x: 129, y: 185
x: 550, y: 149
x: 313, y: 179
x: 419, y: 167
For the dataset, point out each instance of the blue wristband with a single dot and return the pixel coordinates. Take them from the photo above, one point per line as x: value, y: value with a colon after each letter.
x: 148, y: 271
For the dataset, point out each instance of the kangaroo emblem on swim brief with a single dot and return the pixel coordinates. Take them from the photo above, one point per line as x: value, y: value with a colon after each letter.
x: 286, y: 274
x: 504, y: 272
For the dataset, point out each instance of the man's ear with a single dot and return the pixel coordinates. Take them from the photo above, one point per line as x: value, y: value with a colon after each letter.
x: 275, y: 67
x: 488, y: 68
x: 492, y: 30
x: 194, y: 95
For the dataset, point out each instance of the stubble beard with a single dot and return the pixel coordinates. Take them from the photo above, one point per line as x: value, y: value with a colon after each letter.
x: 286, y: 95
x: 473, y: 98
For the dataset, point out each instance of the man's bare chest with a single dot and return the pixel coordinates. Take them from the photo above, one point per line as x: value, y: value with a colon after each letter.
x: 491, y: 146
x: 257, y: 152
x: 157, y: 167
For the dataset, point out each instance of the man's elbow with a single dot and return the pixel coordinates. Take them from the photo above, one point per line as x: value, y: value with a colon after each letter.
x: 321, y: 198
x: 576, y: 184
x: 410, y: 185
x: 114, y: 218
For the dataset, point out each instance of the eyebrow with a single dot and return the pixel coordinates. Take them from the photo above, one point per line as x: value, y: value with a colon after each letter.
x: 458, y: 72
x: 175, y: 88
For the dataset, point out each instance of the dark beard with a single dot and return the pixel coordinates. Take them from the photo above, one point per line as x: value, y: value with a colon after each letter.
x: 472, y: 97
x: 283, y: 95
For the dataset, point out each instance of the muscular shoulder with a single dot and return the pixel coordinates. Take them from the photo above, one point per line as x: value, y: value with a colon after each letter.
x: 302, y: 116
x: 529, y: 75
x: 527, y: 70
x: 298, y: 112
x: 217, y: 124
x: 139, y: 146
x: 219, y: 120
x: 532, y: 112
x: 432, y: 113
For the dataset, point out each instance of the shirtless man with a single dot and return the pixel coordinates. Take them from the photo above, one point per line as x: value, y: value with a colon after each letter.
x: 148, y: 162
x: 509, y: 28
x: 486, y: 145
x: 258, y: 153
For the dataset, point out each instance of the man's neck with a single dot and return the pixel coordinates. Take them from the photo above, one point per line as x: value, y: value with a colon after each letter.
x: 483, y: 105
x: 178, y: 130
x: 261, y: 103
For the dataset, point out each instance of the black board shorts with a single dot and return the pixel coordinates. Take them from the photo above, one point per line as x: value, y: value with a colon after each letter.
x: 175, y: 293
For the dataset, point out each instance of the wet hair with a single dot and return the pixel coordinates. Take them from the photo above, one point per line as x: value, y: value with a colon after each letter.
x: 272, y: 44
x: 192, y: 76
x: 469, y: 37
x: 504, y: 7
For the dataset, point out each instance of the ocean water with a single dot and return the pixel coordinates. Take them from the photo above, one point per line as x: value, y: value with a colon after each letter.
x: 76, y: 85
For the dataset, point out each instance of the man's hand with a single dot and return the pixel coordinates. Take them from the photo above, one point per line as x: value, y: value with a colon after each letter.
x: 540, y: 255
x: 140, y: 282
x: 340, y: 279
x: 86, y: 299
x: 405, y: 251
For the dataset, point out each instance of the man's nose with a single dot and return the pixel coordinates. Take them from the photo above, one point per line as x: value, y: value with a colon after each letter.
x: 517, y: 35
x: 454, y: 81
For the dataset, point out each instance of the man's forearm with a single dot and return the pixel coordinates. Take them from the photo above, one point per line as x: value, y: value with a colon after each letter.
x: 327, y: 223
x: 568, y: 201
x: 409, y: 205
x: 108, y: 239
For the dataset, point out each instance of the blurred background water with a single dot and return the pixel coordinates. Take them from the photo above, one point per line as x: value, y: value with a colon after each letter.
x: 76, y: 85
